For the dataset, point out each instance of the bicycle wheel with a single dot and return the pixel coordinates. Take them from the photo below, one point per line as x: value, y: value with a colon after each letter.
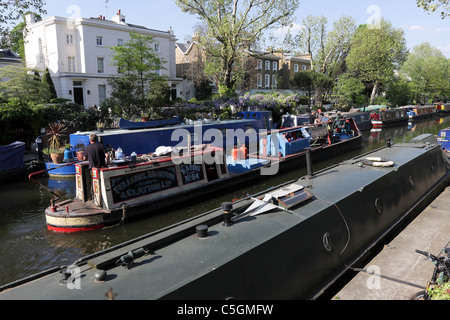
x: 421, y: 295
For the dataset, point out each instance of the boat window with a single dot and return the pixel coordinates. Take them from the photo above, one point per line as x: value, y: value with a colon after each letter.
x: 211, y: 172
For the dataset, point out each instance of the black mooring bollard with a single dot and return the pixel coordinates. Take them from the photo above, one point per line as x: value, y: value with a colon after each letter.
x: 309, y: 168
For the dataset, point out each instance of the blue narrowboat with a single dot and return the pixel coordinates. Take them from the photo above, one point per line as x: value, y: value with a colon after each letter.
x: 143, y: 141
x: 444, y: 140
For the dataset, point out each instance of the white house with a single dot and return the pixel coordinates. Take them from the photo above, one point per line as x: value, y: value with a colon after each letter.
x: 78, y: 55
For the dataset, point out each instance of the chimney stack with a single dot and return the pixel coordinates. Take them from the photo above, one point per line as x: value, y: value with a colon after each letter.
x: 119, y: 17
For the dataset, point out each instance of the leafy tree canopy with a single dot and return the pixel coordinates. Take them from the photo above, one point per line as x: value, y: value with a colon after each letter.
x: 23, y: 84
x: 435, y: 5
x: 233, y: 23
x: 13, y: 10
x: 375, y: 54
x: 138, y: 66
x: 427, y: 69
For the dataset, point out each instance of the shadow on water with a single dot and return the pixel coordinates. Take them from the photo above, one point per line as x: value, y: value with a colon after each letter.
x: 27, y: 247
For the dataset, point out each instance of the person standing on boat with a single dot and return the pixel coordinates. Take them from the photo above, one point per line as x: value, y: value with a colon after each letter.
x: 97, y: 156
x: 312, y: 117
x: 95, y: 153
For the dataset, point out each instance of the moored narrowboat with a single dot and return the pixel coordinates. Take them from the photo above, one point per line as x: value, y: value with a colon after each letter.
x: 444, y: 140
x: 389, y: 117
x: 442, y: 108
x: 129, y: 188
x: 289, y: 146
x: 289, y: 242
x: 420, y: 112
x: 146, y: 140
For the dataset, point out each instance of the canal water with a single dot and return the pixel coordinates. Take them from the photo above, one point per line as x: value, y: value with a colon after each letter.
x: 27, y: 247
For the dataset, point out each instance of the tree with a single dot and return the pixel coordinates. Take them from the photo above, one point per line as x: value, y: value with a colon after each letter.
x: 303, y: 80
x: 399, y: 92
x: 15, y: 39
x: 311, y: 82
x: 22, y: 84
x: 47, y: 79
x: 12, y: 10
x: 427, y: 68
x: 434, y: 5
x: 376, y: 53
x: 349, y: 91
x: 233, y: 23
x: 137, y: 65
x: 312, y: 37
x: 327, y: 49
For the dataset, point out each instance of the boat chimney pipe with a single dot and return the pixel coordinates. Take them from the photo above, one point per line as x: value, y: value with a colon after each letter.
x: 310, y: 173
x: 226, y: 207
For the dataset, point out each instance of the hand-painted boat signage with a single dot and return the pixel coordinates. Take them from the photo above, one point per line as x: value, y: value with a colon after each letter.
x: 140, y: 184
x: 191, y: 173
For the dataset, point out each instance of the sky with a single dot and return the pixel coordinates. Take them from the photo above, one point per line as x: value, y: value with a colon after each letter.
x: 419, y: 26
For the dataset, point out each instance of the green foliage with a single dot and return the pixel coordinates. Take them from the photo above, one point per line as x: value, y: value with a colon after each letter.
x: 72, y: 115
x: 440, y: 292
x: 159, y: 93
x: 328, y: 49
x: 16, y: 39
x: 203, y: 89
x: 399, y: 92
x: 312, y: 82
x: 11, y: 11
x: 428, y: 70
x: 57, y: 133
x: 376, y: 52
x: 47, y: 79
x: 349, y: 92
x: 138, y: 66
x: 22, y: 83
x: 19, y: 119
x: 225, y: 91
x: 435, y: 5
x: 232, y: 23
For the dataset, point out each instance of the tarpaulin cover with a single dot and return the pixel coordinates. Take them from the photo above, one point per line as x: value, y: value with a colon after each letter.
x: 11, y: 156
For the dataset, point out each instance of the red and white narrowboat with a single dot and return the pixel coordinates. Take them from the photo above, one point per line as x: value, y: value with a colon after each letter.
x: 108, y: 196
x: 385, y: 118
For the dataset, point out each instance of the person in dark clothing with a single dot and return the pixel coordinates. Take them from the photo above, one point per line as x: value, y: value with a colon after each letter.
x: 97, y: 156
x: 312, y: 117
x: 95, y: 153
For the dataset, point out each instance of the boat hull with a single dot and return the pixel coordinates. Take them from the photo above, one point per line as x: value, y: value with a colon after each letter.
x: 387, y: 118
x: 59, y: 170
x: 291, y: 253
x: 85, y: 216
x: 76, y: 215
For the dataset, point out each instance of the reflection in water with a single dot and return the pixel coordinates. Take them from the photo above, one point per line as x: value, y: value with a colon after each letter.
x: 27, y: 247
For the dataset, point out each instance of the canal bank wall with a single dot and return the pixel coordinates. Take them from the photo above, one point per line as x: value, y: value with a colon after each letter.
x: 398, y: 272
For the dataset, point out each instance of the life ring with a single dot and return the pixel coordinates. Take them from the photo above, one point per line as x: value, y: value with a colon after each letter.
x: 378, y: 162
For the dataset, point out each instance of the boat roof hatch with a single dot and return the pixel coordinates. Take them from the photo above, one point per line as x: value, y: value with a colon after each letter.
x: 284, y: 198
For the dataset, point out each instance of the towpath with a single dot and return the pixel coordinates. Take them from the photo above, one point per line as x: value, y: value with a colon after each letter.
x: 402, y: 270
